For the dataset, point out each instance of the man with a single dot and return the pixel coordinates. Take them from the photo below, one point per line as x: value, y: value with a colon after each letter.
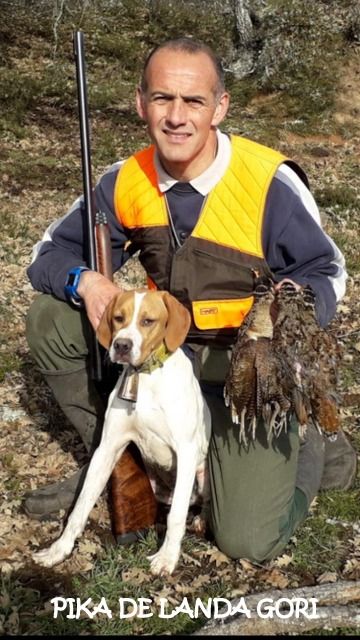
x: 207, y: 212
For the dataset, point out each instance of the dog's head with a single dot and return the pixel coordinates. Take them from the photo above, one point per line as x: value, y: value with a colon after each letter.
x: 135, y: 323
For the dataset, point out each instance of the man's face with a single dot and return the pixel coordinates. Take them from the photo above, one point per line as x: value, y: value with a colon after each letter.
x: 182, y: 110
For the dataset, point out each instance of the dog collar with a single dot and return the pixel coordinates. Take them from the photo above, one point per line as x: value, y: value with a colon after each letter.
x: 155, y: 361
x: 128, y: 389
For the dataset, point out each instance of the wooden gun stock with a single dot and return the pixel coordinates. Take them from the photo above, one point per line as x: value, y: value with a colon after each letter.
x: 133, y: 503
x: 103, y: 245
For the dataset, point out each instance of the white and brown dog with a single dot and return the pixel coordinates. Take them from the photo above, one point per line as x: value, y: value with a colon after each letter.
x: 169, y: 422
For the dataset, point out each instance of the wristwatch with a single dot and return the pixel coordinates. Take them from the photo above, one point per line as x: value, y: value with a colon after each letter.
x: 72, y: 283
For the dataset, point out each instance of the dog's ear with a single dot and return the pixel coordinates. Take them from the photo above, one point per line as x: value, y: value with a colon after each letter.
x: 104, y: 330
x: 178, y: 324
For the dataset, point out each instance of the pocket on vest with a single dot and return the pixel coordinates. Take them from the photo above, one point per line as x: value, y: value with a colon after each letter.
x: 220, y: 314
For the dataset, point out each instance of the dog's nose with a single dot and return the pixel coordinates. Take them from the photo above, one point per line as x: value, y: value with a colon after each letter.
x: 122, y: 346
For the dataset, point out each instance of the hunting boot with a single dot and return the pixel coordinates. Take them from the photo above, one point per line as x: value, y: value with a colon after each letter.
x: 340, y: 464
x: 324, y: 463
x: 83, y: 406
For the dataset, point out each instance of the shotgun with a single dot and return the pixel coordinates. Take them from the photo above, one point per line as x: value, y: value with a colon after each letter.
x: 133, y: 502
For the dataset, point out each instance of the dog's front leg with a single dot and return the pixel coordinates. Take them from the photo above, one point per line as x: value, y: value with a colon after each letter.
x: 165, y: 560
x: 202, y: 476
x: 112, y: 445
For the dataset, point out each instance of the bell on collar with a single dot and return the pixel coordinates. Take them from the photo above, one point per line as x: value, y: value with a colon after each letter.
x: 128, y: 389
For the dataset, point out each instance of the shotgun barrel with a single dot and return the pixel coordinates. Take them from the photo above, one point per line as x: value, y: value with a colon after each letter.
x: 96, y: 365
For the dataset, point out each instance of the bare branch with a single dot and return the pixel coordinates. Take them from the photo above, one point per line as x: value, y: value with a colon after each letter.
x: 58, y: 12
x: 331, y: 612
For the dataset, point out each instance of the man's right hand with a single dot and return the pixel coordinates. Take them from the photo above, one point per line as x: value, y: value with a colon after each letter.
x: 96, y: 292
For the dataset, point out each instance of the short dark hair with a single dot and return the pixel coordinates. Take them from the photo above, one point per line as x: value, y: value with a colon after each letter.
x: 191, y: 46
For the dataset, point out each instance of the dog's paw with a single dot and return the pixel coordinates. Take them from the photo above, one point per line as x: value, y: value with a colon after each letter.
x: 163, y: 562
x: 51, y: 556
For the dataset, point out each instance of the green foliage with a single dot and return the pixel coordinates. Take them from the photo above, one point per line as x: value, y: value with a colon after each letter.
x: 348, y: 242
x: 341, y: 505
x: 44, y: 170
x: 201, y: 20
x: 118, y: 37
x: 9, y: 227
x: 18, y: 95
x: 298, y: 47
x: 301, y: 47
x: 318, y: 546
x: 341, y: 195
x: 9, y: 363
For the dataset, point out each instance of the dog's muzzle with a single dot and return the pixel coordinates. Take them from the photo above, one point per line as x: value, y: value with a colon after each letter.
x: 122, y: 348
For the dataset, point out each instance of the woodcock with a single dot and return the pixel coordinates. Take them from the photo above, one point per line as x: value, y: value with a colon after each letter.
x: 252, y: 388
x: 283, y: 367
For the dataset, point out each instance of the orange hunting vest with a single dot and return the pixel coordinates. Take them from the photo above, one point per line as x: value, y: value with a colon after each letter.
x: 214, y: 271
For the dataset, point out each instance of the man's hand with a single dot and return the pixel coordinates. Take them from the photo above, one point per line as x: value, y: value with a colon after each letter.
x: 96, y: 292
x: 280, y: 284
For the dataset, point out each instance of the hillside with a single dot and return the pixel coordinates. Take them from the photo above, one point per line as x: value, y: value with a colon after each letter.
x: 303, y: 97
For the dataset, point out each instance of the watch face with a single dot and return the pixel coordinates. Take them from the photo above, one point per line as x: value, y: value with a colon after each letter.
x: 71, y: 279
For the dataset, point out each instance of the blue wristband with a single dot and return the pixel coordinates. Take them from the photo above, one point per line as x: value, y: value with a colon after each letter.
x: 72, y: 283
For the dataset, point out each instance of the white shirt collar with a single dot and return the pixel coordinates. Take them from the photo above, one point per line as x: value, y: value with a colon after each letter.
x: 206, y: 180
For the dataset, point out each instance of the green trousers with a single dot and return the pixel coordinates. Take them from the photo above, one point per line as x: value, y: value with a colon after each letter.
x: 255, y: 506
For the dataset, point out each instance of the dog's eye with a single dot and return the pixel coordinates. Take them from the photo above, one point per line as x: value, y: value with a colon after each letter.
x: 119, y: 318
x: 147, y: 322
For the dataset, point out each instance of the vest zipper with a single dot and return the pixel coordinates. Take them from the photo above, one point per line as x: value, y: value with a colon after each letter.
x: 172, y: 226
x: 201, y: 211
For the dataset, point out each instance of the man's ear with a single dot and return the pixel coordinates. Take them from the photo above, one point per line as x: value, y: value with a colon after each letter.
x: 140, y: 103
x: 221, y: 109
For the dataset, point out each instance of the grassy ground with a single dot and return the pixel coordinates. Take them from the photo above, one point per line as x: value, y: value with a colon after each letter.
x: 304, y: 98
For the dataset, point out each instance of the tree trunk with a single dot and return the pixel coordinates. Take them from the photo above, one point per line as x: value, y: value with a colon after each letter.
x: 332, y: 610
x: 243, y: 22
